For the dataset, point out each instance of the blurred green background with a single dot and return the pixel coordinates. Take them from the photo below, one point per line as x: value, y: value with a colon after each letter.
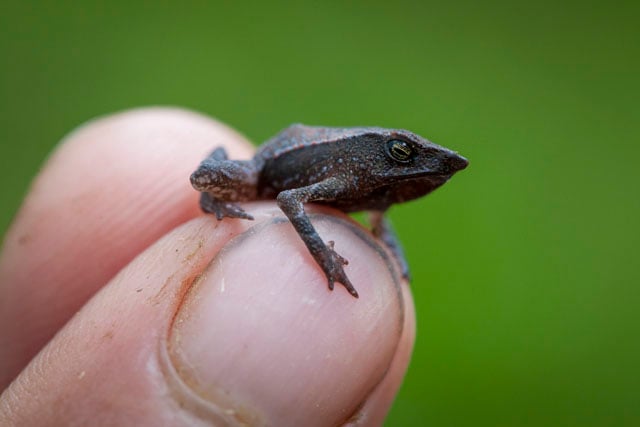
x: 525, y: 265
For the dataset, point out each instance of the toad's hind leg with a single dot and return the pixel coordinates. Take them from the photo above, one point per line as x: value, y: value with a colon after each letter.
x: 223, y: 182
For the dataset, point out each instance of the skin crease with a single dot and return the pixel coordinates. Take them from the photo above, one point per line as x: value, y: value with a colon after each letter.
x: 110, y: 254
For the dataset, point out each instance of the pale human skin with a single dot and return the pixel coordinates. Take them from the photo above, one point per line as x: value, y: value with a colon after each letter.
x: 112, y: 311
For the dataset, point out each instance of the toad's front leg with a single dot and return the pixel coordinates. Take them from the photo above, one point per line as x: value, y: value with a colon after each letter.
x: 381, y: 228
x: 291, y: 202
x: 223, y: 182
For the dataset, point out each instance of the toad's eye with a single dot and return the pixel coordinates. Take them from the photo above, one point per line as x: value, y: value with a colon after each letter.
x: 399, y: 150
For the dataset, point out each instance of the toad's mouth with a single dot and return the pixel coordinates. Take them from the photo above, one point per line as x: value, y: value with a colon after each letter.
x: 440, y: 173
x: 423, y: 174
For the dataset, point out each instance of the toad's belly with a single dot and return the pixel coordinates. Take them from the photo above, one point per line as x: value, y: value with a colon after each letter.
x: 377, y: 199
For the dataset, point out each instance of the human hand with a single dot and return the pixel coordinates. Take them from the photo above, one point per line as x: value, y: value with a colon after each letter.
x: 165, y: 316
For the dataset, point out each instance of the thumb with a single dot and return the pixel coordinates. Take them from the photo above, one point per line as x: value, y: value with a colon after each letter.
x: 227, y: 323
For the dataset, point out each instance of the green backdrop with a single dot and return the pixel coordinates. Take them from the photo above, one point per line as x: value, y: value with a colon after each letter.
x: 525, y: 265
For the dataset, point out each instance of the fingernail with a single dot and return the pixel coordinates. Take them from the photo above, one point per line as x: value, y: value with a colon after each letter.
x: 261, y: 338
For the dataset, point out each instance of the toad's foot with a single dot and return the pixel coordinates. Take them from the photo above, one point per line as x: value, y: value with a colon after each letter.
x: 332, y: 267
x: 222, y: 209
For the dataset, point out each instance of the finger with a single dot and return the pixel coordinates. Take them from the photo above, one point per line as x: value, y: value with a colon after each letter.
x: 111, y: 189
x: 225, y: 323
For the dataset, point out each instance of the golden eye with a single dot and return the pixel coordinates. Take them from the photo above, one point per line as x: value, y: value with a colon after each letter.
x: 399, y: 150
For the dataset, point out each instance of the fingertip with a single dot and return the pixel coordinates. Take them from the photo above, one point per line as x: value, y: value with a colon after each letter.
x: 260, y: 329
x: 112, y: 187
x: 152, y: 125
x: 376, y: 407
x: 248, y: 327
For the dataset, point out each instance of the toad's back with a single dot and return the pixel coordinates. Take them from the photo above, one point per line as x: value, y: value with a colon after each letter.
x: 302, y: 155
x: 296, y: 137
